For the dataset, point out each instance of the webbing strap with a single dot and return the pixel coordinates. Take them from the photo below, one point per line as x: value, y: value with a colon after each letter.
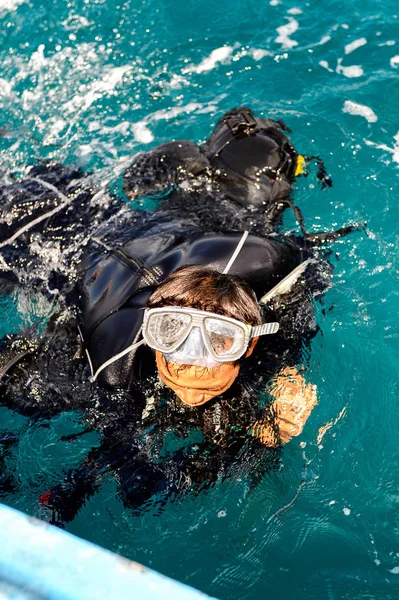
x: 235, y: 126
x: 265, y: 329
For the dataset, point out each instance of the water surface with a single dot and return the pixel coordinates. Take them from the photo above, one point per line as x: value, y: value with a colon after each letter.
x: 94, y: 82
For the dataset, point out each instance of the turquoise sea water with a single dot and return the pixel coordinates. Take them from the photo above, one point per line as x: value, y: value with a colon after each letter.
x: 93, y: 82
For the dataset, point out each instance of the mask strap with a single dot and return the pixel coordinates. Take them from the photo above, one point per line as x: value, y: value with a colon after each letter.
x: 265, y: 329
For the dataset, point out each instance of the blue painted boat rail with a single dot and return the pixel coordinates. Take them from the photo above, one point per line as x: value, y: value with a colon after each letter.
x: 38, y: 560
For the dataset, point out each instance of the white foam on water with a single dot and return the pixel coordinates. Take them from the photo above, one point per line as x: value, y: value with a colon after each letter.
x: 325, y: 65
x: 123, y: 128
x: 95, y: 90
x: 5, y: 88
x: 86, y: 150
x: 394, y: 62
x: 29, y: 99
x: 388, y: 43
x: 346, y: 511
x: 353, y: 108
x: 219, y: 55
x: 142, y: 133
x: 274, y: 2
x: 211, y: 107
x: 259, y: 53
x: 295, y: 11
x: 32, y: 306
x: 56, y: 126
x: 324, y: 40
x: 394, y: 151
x: 177, y: 81
x: 284, y: 33
x: 37, y: 60
x: 395, y: 571
x: 395, y: 156
x: 10, y: 5
x: 354, y: 45
x: 75, y: 22
x: 351, y: 71
x: 174, y: 111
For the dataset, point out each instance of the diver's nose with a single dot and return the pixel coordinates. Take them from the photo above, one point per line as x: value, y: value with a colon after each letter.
x: 194, y: 345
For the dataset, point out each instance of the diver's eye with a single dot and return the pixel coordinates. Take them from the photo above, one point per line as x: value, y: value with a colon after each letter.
x: 220, y: 343
x: 225, y: 338
x: 168, y: 328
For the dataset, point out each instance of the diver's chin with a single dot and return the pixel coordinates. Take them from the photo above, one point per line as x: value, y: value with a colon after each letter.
x: 196, y: 385
x: 194, y: 397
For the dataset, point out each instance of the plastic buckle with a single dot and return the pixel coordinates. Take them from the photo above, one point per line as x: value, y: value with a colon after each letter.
x: 241, y: 123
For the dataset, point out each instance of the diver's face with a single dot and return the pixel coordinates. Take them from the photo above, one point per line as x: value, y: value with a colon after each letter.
x: 197, y: 351
x: 195, y: 385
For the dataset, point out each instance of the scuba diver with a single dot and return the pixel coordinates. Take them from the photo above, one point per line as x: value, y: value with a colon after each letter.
x: 194, y: 319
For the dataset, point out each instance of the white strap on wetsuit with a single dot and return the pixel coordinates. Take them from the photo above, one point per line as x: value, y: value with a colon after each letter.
x: 110, y: 361
x: 236, y: 252
x: 115, y: 358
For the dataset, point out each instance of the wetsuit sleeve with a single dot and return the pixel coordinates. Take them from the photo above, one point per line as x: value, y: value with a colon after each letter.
x: 39, y: 373
x: 163, y: 167
x: 9, y: 478
x: 294, y: 400
x: 8, y: 280
x: 62, y: 503
x: 50, y: 197
x: 45, y: 220
x: 139, y: 478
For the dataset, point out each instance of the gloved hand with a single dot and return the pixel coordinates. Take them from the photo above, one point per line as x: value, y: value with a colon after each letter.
x: 294, y: 401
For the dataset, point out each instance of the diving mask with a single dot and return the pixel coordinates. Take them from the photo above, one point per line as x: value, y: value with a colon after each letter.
x: 198, y: 337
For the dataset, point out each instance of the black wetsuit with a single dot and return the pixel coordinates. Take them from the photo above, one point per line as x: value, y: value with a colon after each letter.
x: 118, y: 282
x: 115, y: 282
x: 126, y: 254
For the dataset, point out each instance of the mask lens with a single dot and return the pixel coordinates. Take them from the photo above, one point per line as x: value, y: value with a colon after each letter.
x: 225, y: 338
x: 166, y: 329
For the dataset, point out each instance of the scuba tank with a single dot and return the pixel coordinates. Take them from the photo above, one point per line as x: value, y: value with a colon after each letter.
x: 254, y: 162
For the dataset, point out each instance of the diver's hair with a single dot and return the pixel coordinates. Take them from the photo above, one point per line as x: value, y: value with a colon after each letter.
x: 205, y: 289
